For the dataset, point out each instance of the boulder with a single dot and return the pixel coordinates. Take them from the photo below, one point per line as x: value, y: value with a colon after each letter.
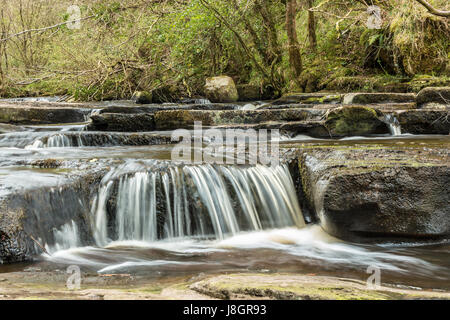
x: 221, y: 89
x: 119, y: 122
x: 379, y: 193
x: 439, y: 95
x: 355, y: 121
x: 142, y: 97
x: 248, y: 92
x: 167, y: 93
x: 425, y: 121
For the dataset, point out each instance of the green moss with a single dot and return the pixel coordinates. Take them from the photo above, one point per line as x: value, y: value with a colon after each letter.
x: 352, y: 120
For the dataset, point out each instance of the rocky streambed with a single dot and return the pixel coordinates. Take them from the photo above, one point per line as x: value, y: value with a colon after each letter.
x: 363, y: 182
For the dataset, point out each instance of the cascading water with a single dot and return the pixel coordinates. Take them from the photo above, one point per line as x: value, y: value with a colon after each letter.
x: 394, y: 124
x: 194, y: 201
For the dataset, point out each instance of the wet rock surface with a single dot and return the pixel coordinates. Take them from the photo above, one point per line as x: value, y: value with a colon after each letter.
x: 355, y: 120
x: 425, y: 121
x: 437, y: 95
x: 118, y: 122
x: 30, y: 213
x: 374, y: 98
x: 373, y: 192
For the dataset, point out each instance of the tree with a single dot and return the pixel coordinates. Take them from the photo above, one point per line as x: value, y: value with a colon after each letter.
x: 311, y: 27
x: 295, y: 58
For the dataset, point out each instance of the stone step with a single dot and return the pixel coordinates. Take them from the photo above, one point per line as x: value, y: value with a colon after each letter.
x: 171, y: 120
x: 376, y: 98
x: 43, y: 113
x: 309, y: 98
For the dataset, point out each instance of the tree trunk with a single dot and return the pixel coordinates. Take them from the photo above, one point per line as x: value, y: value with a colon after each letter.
x: 312, y: 27
x: 295, y: 58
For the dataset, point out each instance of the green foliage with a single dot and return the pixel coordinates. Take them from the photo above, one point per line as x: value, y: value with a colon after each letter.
x: 128, y: 46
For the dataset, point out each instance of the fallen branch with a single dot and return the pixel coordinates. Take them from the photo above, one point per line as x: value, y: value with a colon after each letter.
x: 45, y: 28
x: 433, y: 10
x: 40, y: 246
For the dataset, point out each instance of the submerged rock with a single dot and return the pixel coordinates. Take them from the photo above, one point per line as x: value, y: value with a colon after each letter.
x: 367, y: 193
x: 221, y: 89
x: 355, y: 121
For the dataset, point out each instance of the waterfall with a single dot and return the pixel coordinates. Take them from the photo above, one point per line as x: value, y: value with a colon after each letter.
x: 394, y: 124
x: 65, y: 238
x: 202, y: 201
x: 202, y: 101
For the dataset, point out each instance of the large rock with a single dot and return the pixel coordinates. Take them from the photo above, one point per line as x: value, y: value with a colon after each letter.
x: 120, y: 122
x: 424, y: 122
x: 142, y: 97
x: 371, y: 98
x: 175, y: 119
x: 437, y: 95
x: 29, y: 216
x: 18, y: 113
x: 376, y: 192
x: 354, y: 121
x: 221, y: 89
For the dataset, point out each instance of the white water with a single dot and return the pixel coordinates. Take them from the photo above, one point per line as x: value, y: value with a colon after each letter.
x: 394, y: 125
x: 65, y: 238
x: 308, y: 246
x: 202, y: 201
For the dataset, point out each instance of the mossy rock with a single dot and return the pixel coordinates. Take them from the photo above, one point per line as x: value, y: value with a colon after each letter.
x: 423, y: 81
x: 181, y: 119
x: 143, y: 97
x: 221, y: 89
x: 434, y: 95
x: 354, y: 121
x: 119, y: 122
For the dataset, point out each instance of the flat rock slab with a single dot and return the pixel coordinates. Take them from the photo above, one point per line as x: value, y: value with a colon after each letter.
x: 374, y: 98
x: 122, y: 122
x: 425, y: 121
x: 156, y: 108
x: 42, y: 113
x: 171, y: 120
x: 370, y: 192
x: 301, y: 287
x: 439, y: 95
x: 309, y: 98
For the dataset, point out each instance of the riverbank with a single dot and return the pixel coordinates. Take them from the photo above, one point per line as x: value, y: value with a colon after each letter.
x: 35, y: 285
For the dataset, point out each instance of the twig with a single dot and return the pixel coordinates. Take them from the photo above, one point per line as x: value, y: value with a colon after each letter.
x: 40, y: 246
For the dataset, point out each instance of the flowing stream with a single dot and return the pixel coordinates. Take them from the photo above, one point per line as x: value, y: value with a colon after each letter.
x: 153, y: 217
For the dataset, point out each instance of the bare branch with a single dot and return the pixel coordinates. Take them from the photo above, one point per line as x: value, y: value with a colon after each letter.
x: 433, y: 10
